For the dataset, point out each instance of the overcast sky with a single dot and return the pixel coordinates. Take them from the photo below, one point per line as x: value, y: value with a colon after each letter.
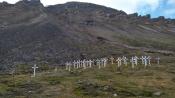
x: 154, y: 7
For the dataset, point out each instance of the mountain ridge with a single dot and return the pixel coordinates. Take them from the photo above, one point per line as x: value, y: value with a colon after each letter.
x: 32, y: 33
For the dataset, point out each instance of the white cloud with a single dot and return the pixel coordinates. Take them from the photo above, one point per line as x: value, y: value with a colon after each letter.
x: 129, y: 6
x: 10, y: 1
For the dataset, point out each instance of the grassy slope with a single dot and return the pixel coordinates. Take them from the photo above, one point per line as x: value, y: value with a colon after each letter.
x: 93, y: 83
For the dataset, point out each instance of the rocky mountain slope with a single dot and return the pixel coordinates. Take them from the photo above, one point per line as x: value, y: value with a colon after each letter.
x: 30, y: 33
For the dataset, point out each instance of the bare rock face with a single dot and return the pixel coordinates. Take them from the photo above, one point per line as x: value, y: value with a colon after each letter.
x: 30, y: 32
x: 31, y: 1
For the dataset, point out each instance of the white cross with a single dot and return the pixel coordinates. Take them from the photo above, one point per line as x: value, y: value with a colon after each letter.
x: 105, y: 62
x: 56, y: 69
x: 81, y: 63
x: 34, y: 70
x: 68, y: 66
x: 158, y: 60
x: 132, y: 62
x: 142, y: 58
x: 149, y: 60
x: 136, y: 60
x: 98, y: 63
x: 112, y: 60
x: 145, y: 61
x: 124, y: 60
x: 90, y: 63
x: 119, y: 61
x: 74, y: 63
x: 77, y: 64
x: 87, y: 64
x: 84, y: 64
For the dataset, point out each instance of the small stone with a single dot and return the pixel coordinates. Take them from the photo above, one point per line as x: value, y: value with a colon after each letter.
x: 115, y: 95
x: 106, y: 87
x: 29, y: 91
x: 157, y: 93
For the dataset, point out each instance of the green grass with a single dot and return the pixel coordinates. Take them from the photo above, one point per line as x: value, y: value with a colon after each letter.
x: 93, y: 83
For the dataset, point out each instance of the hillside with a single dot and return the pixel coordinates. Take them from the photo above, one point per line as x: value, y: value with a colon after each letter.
x: 156, y: 81
x: 31, y: 33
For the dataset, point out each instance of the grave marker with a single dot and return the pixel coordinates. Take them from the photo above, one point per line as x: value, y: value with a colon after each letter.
x: 112, y: 60
x: 34, y: 70
x: 158, y: 60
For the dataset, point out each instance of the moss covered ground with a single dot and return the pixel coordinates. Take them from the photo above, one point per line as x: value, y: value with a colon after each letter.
x: 156, y: 81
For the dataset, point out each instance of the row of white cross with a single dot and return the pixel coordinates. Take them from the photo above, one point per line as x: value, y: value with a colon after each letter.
x: 86, y: 64
x: 145, y: 60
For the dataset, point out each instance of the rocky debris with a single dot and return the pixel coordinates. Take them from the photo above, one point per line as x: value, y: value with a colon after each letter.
x: 133, y: 15
x: 93, y: 89
x: 157, y: 93
x: 89, y: 22
x: 115, y: 95
x: 29, y: 3
x: 4, y: 5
